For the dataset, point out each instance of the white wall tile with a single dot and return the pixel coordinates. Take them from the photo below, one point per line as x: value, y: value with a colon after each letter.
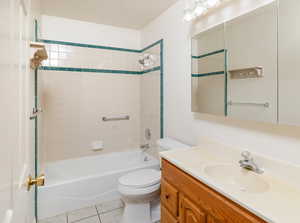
x: 57, y: 28
x: 74, y: 104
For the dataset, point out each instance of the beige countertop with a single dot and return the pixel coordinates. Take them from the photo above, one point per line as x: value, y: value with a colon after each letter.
x: 280, y: 203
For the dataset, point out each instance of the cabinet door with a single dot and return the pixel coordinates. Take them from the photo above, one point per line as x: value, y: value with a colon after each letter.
x: 189, y: 212
x: 169, y: 197
x: 210, y: 219
x: 166, y: 217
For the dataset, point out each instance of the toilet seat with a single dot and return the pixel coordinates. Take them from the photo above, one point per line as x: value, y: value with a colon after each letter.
x: 131, y: 191
x: 140, y: 179
x: 141, y: 182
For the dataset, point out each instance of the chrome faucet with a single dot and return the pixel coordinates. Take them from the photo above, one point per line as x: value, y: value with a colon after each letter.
x: 144, y: 148
x: 249, y: 164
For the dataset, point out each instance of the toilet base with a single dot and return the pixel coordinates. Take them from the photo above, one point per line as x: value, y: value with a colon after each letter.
x: 137, y: 213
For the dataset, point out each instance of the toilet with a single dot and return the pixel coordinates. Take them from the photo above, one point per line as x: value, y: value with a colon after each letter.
x: 140, y: 189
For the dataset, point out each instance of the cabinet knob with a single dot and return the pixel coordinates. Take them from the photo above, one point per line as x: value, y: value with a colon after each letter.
x: 167, y: 196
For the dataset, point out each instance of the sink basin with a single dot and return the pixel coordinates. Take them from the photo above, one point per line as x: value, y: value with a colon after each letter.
x: 237, y: 178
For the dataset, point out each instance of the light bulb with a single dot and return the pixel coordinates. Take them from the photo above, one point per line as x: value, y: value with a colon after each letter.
x: 212, y: 3
x: 199, y: 10
x: 188, y: 16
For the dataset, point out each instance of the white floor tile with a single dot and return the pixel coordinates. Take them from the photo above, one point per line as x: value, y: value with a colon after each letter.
x: 56, y: 219
x: 81, y: 214
x: 109, y: 206
x: 112, y: 217
x: 94, y: 219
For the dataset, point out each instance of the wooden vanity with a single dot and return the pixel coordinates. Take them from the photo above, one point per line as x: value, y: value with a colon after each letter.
x: 186, y: 200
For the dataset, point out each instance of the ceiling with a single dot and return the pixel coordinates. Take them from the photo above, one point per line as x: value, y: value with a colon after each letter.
x: 123, y: 13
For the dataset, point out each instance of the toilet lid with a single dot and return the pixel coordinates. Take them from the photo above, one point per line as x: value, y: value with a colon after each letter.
x: 141, y: 178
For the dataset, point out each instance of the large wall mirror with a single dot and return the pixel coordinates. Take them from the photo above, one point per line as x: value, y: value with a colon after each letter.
x: 246, y: 68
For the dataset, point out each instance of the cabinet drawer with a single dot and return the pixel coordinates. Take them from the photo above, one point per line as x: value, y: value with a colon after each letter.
x: 169, y: 197
x: 220, y: 208
x: 166, y: 217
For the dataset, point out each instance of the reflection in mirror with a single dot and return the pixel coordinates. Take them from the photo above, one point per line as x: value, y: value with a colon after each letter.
x: 209, y: 72
x: 288, y: 57
x: 251, y: 42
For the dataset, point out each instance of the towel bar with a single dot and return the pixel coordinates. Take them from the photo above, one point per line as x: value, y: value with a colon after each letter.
x: 106, y: 119
x: 266, y: 105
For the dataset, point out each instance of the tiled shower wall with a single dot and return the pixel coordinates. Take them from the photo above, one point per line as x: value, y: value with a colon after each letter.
x: 82, y: 83
x: 150, y: 100
x: 93, y: 58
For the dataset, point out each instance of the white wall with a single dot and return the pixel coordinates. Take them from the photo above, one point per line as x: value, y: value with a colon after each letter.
x: 57, y: 28
x: 281, y: 142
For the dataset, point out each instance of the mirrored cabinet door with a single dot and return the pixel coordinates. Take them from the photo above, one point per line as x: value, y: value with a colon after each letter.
x: 248, y: 67
x: 209, y: 72
x: 251, y: 43
x: 289, y: 62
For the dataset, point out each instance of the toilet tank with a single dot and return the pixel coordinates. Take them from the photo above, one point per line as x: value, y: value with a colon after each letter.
x: 166, y: 144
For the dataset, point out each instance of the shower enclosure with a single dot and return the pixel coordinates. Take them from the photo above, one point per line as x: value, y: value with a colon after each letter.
x: 97, y: 103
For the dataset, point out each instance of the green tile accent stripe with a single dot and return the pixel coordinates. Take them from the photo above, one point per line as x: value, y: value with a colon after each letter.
x: 36, y: 128
x: 90, y: 70
x: 226, y: 83
x: 161, y: 88
x: 88, y: 45
x: 209, y: 54
x: 36, y: 141
x: 208, y: 74
x: 35, y: 30
x: 151, y: 45
x: 98, y: 46
x: 152, y: 69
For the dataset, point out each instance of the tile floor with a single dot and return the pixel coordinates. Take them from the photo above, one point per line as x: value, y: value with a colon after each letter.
x: 107, y: 212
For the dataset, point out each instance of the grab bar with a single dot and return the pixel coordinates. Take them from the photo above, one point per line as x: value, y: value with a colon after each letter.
x: 266, y: 105
x: 120, y: 118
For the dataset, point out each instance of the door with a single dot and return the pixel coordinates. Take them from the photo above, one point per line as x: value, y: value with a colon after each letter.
x: 189, y: 212
x: 16, y: 102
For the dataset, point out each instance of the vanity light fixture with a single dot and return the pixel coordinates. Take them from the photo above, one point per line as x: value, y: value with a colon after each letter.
x: 196, y: 8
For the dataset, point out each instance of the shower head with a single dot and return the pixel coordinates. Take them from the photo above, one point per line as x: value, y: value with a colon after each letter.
x: 147, y: 60
x: 142, y: 62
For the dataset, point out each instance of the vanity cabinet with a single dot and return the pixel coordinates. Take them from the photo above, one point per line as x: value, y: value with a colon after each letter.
x: 189, y: 212
x: 187, y: 200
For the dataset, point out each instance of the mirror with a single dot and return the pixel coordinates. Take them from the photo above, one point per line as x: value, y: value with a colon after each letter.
x: 234, y: 67
x: 251, y: 42
x: 288, y: 61
x: 208, y: 72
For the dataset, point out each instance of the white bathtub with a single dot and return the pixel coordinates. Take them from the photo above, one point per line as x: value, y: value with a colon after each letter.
x: 77, y: 183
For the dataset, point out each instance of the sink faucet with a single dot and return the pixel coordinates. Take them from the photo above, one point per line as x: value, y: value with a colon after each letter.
x: 249, y: 164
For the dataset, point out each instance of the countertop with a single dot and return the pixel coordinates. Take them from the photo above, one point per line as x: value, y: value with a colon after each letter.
x: 279, y: 204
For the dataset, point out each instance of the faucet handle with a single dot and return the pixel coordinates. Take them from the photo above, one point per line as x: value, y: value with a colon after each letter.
x: 246, y: 155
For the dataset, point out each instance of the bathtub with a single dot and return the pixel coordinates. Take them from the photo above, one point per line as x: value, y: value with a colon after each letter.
x: 78, y: 183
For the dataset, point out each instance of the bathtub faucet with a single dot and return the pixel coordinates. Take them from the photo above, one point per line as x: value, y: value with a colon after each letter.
x: 145, y: 147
